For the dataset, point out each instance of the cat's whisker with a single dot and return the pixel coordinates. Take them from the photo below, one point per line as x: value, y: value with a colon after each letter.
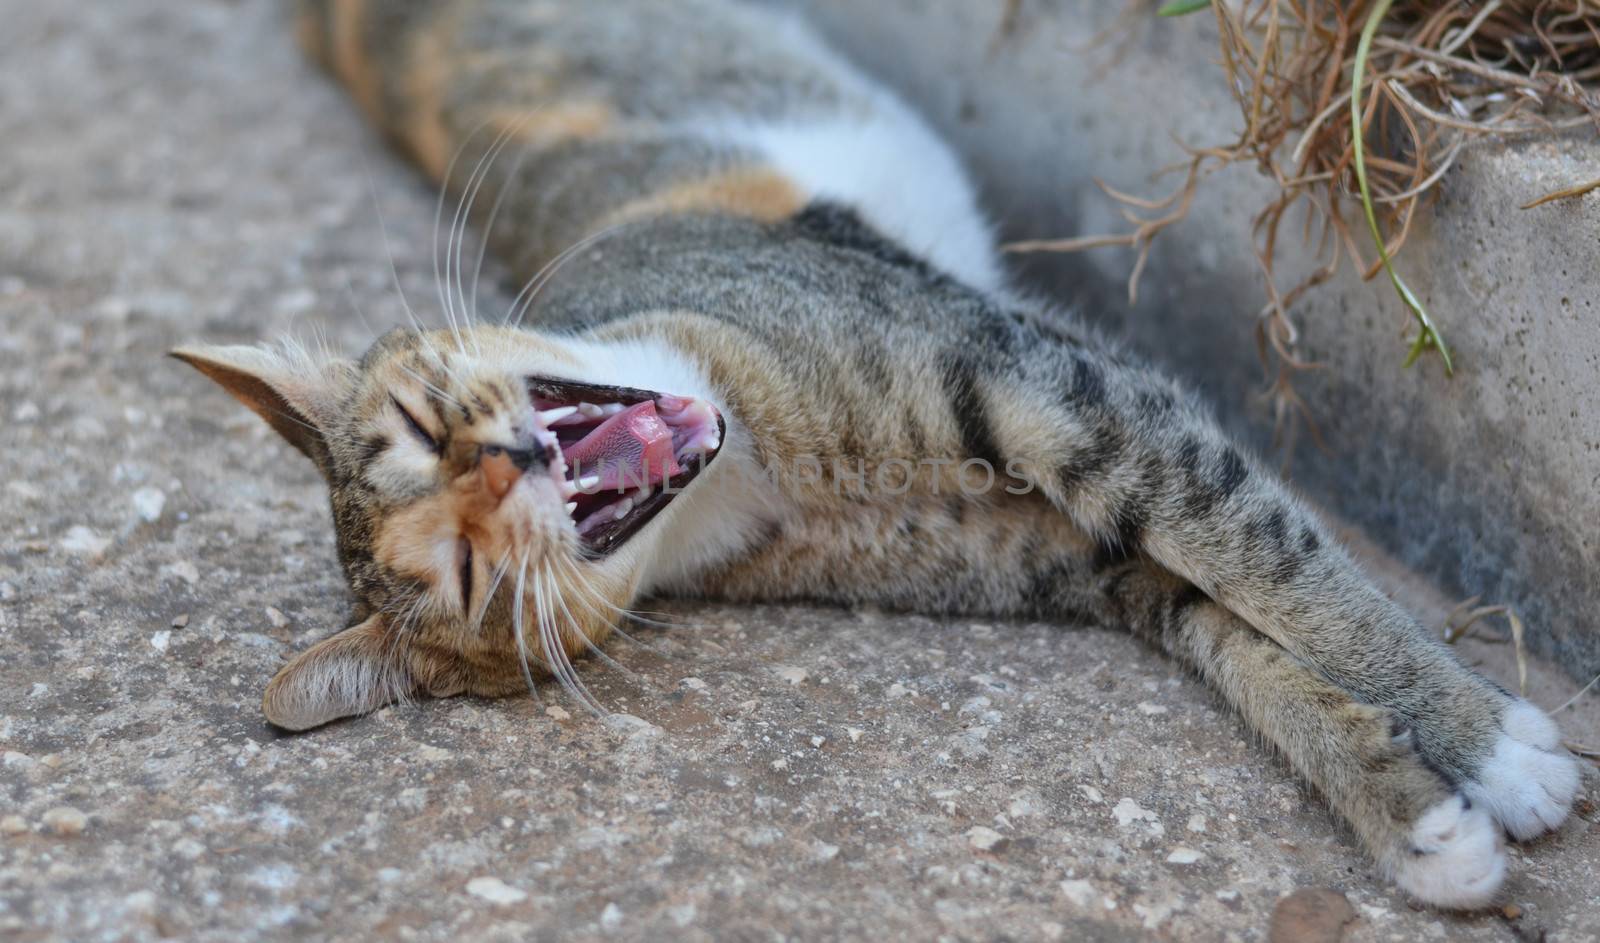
x: 453, y: 286
x: 457, y: 232
x: 555, y: 653
x: 441, y: 360
x: 399, y: 638
x: 446, y: 301
x: 582, y: 591
x: 517, y: 626
x: 488, y: 595
x: 549, y: 641
x: 494, y: 212
x: 430, y: 385
x: 457, y: 236
x: 464, y: 214
x: 525, y: 298
x: 588, y: 643
x: 434, y: 352
x: 388, y: 249
x: 632, y: 615
x: 414, y: 613
x: 319, y: 339
x: 591, y: 599
x: 417, y: 326
x: 441, y: 289
x: 355, y: 304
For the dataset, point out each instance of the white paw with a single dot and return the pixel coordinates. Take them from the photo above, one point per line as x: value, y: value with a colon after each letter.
x: 1529, y: 782
x: 1530, y: 725
x: 1457, y: 859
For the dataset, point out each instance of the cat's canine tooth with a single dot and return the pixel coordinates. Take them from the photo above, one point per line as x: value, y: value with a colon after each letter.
x: 703, y: 442
x: 572, y: 506
x: 590, y: 410
x: 587, y: 482
x: 552, y: 416
x: 621, y: 508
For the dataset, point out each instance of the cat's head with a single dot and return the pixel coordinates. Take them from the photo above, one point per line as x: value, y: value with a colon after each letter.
x: 487, y: 490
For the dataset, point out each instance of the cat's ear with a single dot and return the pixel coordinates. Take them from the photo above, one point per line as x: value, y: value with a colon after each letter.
x: 354, y: 672
x: 295, y: 394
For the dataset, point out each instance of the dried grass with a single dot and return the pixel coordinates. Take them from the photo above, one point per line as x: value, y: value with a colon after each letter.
x: 1565, y: 193
x: 1460, y: 622
x: 1462, y: 618
x: 1434, y: 77
x: 1576, y: 697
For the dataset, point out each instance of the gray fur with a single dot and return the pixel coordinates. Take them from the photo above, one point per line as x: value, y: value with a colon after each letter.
x: 1143, y: 515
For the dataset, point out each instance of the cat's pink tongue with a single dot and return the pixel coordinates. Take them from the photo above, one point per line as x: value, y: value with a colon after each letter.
x: 629, y: 450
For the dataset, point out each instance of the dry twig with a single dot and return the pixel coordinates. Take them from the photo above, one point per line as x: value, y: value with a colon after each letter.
x: 1468, y: 616
x: 1435, y: 76
x: 1565, y: 193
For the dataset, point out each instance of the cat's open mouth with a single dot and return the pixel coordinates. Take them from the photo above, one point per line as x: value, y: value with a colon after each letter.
x: 627, y: 452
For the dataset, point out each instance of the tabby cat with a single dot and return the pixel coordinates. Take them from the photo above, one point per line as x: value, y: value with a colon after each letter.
x: 781, y: 362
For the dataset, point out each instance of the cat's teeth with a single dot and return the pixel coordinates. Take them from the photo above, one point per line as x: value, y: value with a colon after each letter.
x: 611, y: 409
x: 588, y: 482
x: 621, y: 508
x: 590, y: 410
x: 552, y: 416
x: 572, y: 506
x: 704, y: 442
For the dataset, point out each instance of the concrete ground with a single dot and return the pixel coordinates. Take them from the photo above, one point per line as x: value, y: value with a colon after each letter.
x: 172, y: 172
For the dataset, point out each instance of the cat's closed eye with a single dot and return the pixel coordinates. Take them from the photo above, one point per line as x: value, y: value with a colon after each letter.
x: 417, y: 428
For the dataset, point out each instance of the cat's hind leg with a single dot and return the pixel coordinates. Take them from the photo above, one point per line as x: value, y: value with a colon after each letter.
x: 1426, y: 835
x: 1130, y: 459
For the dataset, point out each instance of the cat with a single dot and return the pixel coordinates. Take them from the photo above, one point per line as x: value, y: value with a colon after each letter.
x: 782, y: 361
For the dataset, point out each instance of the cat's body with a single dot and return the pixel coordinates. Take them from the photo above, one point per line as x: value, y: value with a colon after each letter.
x: 762, y: 232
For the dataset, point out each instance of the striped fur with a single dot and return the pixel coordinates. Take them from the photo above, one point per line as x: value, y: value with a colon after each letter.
x: 836, y: 295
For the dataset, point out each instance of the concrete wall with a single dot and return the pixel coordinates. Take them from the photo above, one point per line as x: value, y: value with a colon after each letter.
x: 1485, y: 482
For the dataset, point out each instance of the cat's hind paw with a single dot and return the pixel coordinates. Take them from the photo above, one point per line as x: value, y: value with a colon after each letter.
x: 1456, y: 859
x: 1528, y: 782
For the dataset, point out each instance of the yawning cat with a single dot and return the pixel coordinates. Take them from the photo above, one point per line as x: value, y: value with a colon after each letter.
x: 767, y: 352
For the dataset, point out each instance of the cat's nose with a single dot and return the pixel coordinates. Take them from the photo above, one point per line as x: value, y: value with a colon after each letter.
x: 502, y: 466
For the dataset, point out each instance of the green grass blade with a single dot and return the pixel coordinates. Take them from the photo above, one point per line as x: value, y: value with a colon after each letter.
x: 1182, y: 7
x: 1428, y: 335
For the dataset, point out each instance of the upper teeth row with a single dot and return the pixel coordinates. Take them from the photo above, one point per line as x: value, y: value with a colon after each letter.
x: 563, y: 415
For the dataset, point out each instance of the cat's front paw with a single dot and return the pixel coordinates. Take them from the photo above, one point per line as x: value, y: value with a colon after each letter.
x: 1456, y: 859
x: 1528, y: 782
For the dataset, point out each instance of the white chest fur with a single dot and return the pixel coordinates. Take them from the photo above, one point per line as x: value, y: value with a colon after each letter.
x: 875, y: 155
